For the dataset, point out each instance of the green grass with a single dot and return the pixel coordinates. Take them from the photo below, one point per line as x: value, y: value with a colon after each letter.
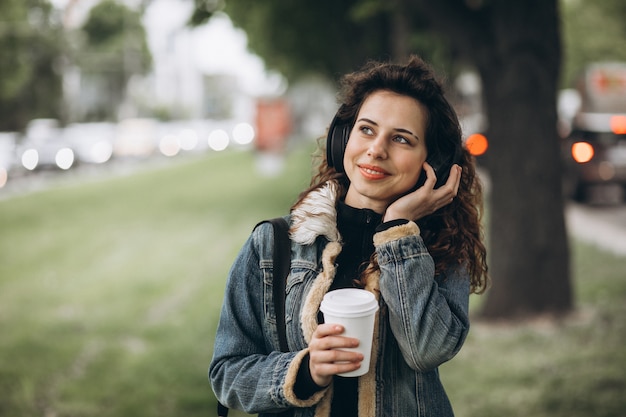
x: 575, y: 366
x: 110, y: 292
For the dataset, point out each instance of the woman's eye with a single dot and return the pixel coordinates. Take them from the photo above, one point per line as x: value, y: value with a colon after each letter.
x: 401, y: 139
x: 366, y: 130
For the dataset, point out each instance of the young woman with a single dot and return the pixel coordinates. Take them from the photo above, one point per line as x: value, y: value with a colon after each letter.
x: 379, y: 215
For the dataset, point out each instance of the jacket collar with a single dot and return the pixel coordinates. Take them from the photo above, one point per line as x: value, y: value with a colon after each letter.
x: 316, y: 215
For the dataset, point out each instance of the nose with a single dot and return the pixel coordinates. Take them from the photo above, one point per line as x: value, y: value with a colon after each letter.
x: 377, y: 148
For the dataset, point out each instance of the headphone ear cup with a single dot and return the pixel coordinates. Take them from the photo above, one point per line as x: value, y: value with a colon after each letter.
x: 336, y: 141
x: 442, y: 166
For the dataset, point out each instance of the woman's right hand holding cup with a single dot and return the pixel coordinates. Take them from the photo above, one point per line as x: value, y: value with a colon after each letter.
x: 326, y: 355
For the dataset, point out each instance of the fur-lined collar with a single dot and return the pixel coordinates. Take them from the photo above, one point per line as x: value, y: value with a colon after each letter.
x: 316, y: 215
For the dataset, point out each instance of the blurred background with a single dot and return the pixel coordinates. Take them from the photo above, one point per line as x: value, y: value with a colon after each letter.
x: 141, y: 140
x: 89, y: 82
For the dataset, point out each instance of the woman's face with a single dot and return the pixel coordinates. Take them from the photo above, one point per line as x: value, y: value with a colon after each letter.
x: 385, y: 151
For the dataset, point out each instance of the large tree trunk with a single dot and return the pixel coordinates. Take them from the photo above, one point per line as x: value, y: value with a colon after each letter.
x: 400, y: 31
x: 515, y: 45
x: 529, y: 258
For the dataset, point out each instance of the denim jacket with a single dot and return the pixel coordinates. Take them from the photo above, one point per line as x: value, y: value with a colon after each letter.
x: 422, y: 321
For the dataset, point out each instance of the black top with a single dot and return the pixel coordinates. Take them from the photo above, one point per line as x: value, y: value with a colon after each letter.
x: 357, y: 228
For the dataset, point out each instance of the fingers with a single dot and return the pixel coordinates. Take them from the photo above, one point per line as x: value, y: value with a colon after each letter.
x: 324, y: 364
x: 451, y: 188
x: 455, y: 177
x: 328, y: 337
x: 327, y: 329
x: 328, y: 356
x: 431, y: 176
x: 426, y: 199
x: 445, y: 194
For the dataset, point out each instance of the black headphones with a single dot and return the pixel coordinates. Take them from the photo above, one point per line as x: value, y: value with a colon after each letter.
x: 337, y: 139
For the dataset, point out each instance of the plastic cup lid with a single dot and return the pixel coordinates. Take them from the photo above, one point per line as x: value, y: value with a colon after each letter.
x: 349, y: 302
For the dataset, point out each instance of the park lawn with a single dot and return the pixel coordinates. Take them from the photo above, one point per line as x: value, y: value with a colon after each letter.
x: 110, y: 292
x: 574, y: 366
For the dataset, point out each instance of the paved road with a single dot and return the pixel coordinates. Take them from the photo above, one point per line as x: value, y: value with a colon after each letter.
x: 27, y: 182
x: 604, y: 226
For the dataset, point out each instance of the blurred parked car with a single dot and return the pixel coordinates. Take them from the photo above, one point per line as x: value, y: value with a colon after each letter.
x: 92, y: 142
x: 594, y: 148
x: 44, y: 146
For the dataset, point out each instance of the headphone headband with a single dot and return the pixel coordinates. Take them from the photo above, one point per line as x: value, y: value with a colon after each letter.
x: 336, y: 141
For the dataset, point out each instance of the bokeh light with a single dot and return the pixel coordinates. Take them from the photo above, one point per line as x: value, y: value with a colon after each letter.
x: 582, y: 152
x: 477, y: 144
x: 30, y: 159
x: 4, y: 176
x: 169, y: 145
x: 218, y: 140
x: 243, y: 133
x: 64, y: 158
x: 188, y: 139
x: 606, y: 170
x: 618, y: 124
x: 101, y: 152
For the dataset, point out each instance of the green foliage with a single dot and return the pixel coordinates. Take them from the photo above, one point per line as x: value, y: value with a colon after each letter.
x: 106, y: 23
x: 592, y: 31
x: 115, y: 41
x: 325, y: 37
x: 109, y: 49
x: 31, y: 42
x: 331, y: 39
x: 203, y: 10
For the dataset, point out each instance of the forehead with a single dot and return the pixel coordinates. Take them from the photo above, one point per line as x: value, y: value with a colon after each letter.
x: 390, y: 107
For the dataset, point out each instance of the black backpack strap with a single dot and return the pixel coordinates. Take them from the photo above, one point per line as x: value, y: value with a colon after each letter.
x: 281, y: 259
x: 222, y: 411
x: 281, y: 262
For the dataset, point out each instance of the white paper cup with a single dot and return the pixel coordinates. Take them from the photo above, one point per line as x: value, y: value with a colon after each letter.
x: 355, y: 310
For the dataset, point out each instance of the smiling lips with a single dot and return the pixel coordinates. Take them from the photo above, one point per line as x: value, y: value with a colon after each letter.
x: 372, y: 172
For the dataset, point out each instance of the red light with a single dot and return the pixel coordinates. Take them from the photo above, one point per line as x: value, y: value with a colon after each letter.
x: 582, y: 152
x: 618, y: 124
x: 477, y: 144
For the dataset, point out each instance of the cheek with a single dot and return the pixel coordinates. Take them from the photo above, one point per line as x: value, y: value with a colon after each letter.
x: 415, y: 167
x: 349, y: 153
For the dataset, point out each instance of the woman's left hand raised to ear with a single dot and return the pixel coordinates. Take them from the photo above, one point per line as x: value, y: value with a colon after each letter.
x: 426, y: 199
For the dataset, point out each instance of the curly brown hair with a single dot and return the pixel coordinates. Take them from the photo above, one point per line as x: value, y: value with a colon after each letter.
x: 454, y: 233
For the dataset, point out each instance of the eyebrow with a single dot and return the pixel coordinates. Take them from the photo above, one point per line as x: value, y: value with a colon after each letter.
x: 397, y: 129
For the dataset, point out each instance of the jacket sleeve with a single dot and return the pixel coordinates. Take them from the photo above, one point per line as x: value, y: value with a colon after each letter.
x: 428, y: 315
x: 246, y: 372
